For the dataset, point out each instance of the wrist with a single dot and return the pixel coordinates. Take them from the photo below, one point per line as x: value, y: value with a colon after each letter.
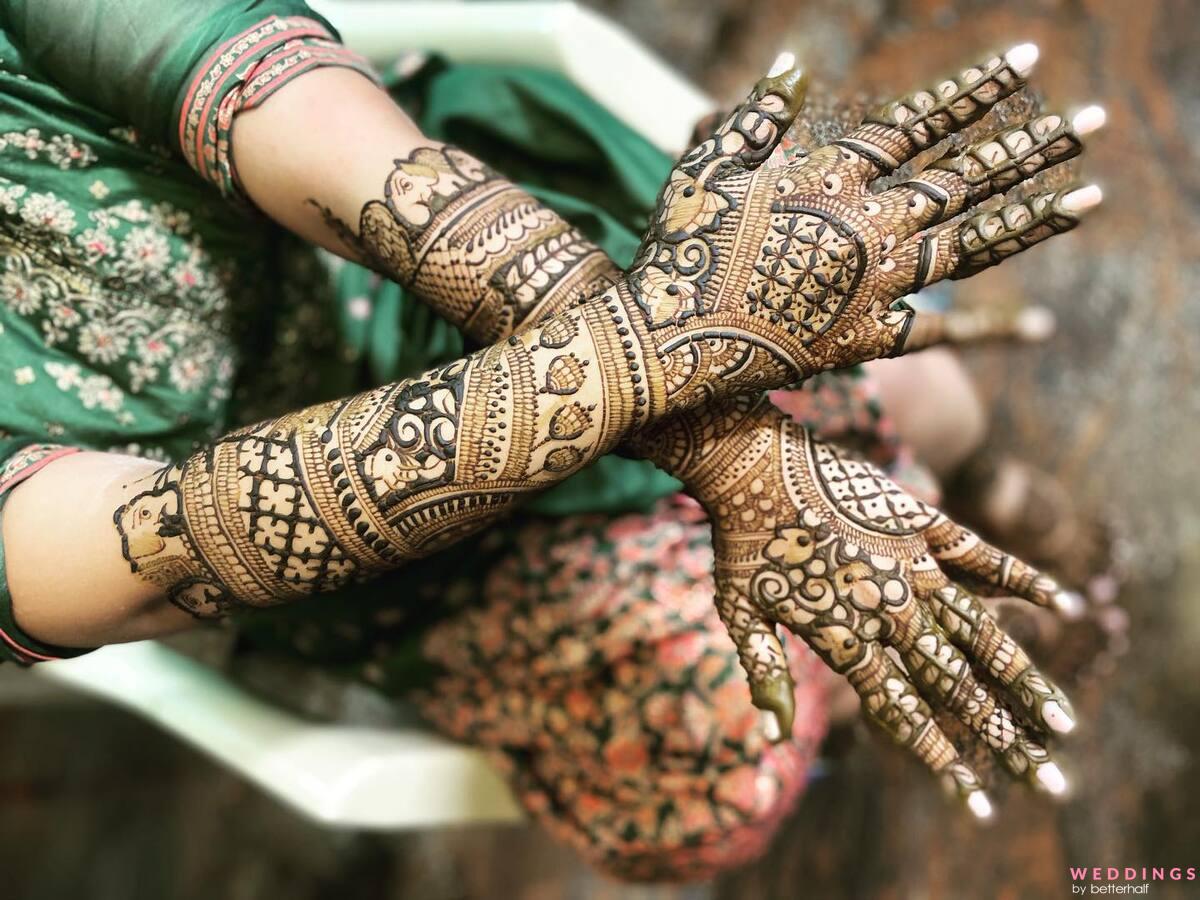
x: 710, y: 448
x: 482, y: 252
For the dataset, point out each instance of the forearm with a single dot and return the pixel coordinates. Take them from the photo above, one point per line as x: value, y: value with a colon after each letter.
x: 381, y: 478
x: 365, y: 182
x: 330, y: 494
x: 334, y: 493
x: 346, y: 489
x: 478, y: 250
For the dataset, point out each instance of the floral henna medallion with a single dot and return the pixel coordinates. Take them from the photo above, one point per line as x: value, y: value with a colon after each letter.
x: 809, y: 267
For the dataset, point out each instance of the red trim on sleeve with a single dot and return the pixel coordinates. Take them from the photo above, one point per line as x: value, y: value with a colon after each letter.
x: 243, y: 72
x: 27, y: 655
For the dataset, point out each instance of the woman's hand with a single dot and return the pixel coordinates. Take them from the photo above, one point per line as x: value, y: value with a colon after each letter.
x: 800, y: 268
x: 808, y: 537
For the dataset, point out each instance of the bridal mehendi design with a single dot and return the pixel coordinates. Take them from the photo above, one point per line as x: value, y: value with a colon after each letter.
x: 811, y: 538
x: 308, y: 501
x: 801, y: 267
x: 449, y: 227
x: 749, y: 278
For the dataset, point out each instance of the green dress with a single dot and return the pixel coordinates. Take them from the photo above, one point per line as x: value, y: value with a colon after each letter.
x: 145, y: 308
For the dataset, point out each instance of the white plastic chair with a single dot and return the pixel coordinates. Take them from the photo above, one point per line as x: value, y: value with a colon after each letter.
x: 373, y: 778
x: 599, y: 57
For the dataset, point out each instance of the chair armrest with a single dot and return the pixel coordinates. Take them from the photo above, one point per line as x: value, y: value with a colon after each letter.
x: 352, y: 777
x: 598, y: 56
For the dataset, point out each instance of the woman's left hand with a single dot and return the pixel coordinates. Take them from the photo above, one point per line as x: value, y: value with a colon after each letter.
x: 811, y: 538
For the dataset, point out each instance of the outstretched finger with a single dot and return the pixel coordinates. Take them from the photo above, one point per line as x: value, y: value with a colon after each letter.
x: 967, y: 554
x: 989, y: 167
x: 960, y: 249
x: 981, y: 325
x: 754, y: 128
x: 892, y: 702
x: 762, y: 656
x: 977, y: 634
x: 942, y: 673
x: 891, y: 136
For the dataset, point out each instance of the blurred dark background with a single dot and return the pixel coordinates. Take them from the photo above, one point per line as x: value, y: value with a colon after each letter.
x: 97, y: 804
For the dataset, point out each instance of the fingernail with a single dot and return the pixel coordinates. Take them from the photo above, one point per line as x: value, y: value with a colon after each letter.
x: 770, y: 726
x: 979, y: 804
x: 1035, y: 323
x: 1089, y: 119
x: 783, y: 62
x: 1069, y: 603
x: 1057, y: 717
x: 1083, y: 198
x: 1052, y: 778
x: 1022, y: 57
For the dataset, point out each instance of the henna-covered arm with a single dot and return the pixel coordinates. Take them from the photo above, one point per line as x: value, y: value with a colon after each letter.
x: 878, y: 586
x: 870, y: 579
x: 428, y: 215
x: 328, y: 494
x: 749, y: 277
x: 811, y: 538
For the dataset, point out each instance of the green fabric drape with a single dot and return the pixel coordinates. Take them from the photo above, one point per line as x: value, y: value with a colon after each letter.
x: 130, y: 59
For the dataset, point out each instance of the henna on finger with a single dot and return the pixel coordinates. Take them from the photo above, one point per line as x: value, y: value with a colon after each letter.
x: 899, y: 130
x: 944, y: 676
x: 762, y: 657
x: 991, y: 166
x: 964, y: 327
x: 890, y: 700
x: 964, y: 552
x: 959, y: 250
x: 975, y: 631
